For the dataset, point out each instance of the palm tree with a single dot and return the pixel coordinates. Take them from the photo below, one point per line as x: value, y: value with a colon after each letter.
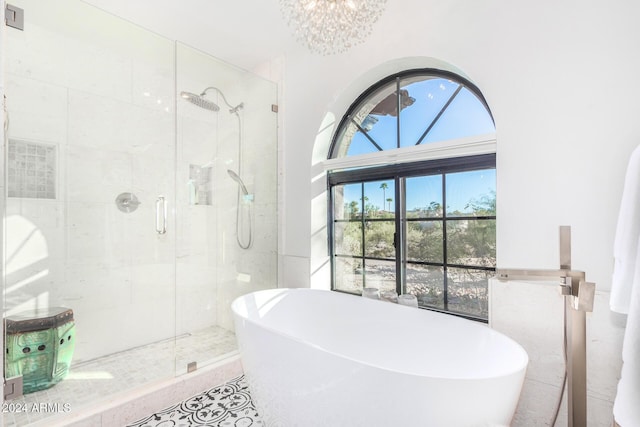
x: 384, y: 187
x: 389, y: 200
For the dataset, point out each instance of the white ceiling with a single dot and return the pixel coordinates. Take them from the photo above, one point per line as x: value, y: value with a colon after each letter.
x: 245, y: 33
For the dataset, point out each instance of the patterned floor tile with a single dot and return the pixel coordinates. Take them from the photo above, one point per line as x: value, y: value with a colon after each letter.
x: 226, y: 405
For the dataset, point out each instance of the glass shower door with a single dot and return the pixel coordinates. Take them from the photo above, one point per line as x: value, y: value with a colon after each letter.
x: 226, y: 200
x: 89, y: 254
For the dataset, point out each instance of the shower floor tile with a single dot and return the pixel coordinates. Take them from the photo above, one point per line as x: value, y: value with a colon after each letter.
x: 92, y: 381
x: 226, y: 405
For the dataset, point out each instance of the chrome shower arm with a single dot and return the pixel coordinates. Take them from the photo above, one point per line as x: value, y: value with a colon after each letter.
x: 232, y: 108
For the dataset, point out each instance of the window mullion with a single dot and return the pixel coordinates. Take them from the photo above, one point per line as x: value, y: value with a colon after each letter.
x: 437, y: 117
x: 445, y: 288
x: 398, y: 109
x: 330, y: 235
x: 362, y: 234
x: 400, y: 239
x: 366, y: 134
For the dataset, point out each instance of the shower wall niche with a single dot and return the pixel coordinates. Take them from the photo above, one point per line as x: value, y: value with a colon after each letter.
x: 95, y: 112
x: 199, y: 185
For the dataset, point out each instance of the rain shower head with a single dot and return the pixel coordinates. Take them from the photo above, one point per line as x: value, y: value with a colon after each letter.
x: 199, y: 101
x: 237, y: 179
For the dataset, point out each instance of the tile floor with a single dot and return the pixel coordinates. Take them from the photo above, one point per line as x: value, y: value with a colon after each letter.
x: 226, y: 405
x: 90, y: 382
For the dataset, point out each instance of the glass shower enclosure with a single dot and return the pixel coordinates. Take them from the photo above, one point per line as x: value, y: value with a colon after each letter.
x: 140, y: 198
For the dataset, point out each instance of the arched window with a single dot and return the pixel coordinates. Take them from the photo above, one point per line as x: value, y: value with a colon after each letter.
x: 412, y: 192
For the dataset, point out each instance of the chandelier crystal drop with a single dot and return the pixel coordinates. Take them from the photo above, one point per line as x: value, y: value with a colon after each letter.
x: 331, y: 26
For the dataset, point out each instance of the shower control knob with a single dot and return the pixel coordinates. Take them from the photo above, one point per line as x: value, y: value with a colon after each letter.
x: 127, y: 202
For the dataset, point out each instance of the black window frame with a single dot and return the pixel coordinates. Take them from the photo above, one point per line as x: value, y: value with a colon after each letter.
x: 398, y: 78
x: 398, y: 173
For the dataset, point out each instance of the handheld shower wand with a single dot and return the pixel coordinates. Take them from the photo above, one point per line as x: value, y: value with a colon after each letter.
x: 237, y: 179
x: 245, y: 195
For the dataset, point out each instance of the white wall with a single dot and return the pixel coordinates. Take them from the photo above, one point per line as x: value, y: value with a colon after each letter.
x: 560, y: 79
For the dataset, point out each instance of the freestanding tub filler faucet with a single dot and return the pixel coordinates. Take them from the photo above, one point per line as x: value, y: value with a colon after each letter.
x: 578, y: 298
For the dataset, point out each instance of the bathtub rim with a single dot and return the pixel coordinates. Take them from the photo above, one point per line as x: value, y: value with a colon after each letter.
x: 518, y: 367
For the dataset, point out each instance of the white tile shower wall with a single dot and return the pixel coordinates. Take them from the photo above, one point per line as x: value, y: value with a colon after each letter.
x: 102, y: 122
x: 35, y: 248
x: 532, y: 314
x: 71, y: 53
x: 196, y: 292
x: 32, y: 101
x: 197, y: 136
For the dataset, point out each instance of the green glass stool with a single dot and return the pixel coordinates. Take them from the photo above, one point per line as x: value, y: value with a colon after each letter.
x: 39, y: 346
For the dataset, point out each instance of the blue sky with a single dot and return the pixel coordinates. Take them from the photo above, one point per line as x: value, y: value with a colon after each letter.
x: 465, y: 116
x: 462, y: 188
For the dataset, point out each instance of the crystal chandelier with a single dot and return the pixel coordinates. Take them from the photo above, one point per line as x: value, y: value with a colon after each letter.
x: 331, y: 26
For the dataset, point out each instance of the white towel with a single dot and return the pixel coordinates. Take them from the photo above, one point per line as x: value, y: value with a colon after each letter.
x: 626, y: 408
x: 625, y: 295
x: 625, y: 247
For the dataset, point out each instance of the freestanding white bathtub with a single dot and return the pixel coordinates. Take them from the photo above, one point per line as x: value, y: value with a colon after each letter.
x: 322, y: 358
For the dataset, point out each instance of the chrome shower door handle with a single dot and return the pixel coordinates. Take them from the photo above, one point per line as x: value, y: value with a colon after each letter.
x: 161, y: 215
